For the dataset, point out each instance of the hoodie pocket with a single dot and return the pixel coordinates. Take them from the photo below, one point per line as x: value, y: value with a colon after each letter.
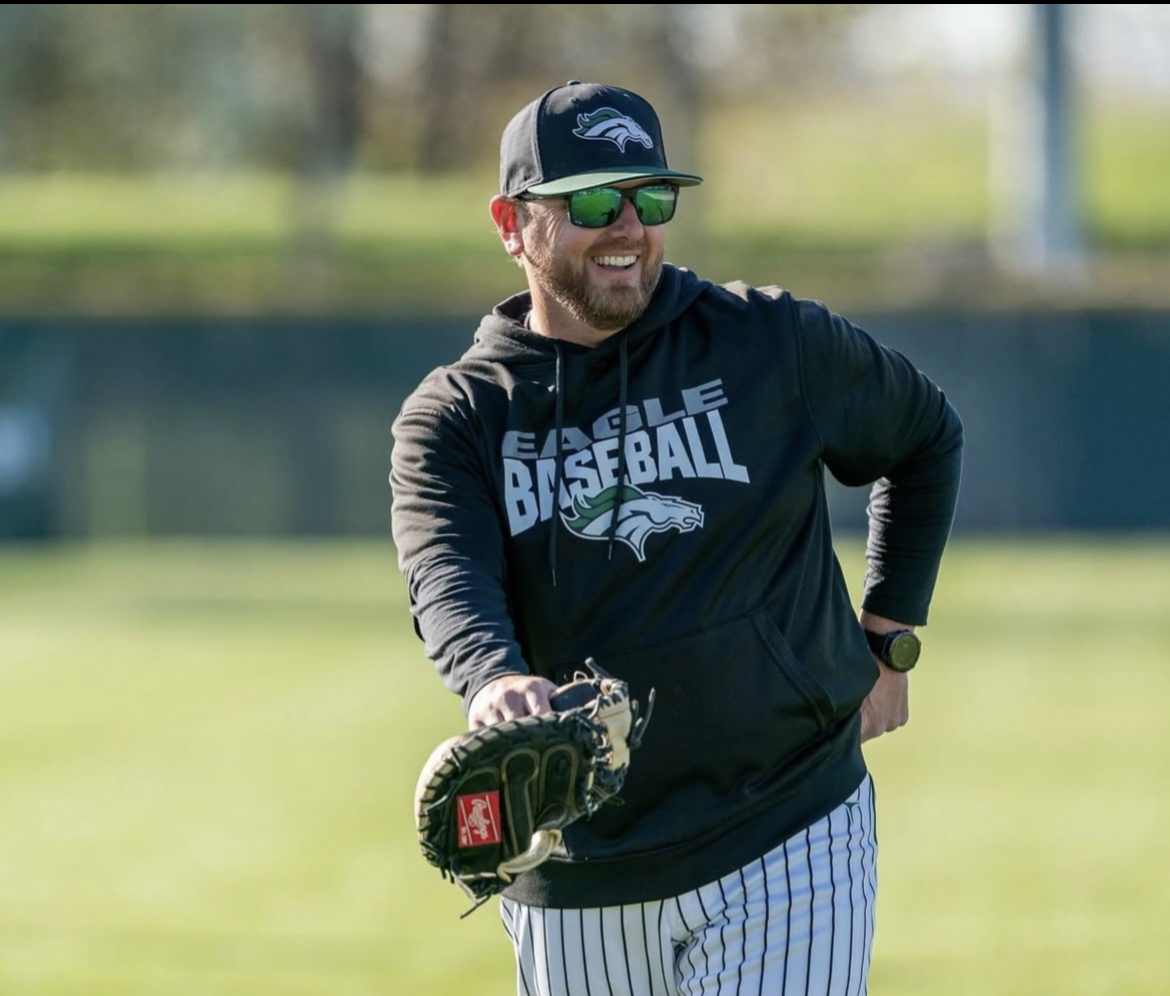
x: 814, y: 693
x: 732, y: 705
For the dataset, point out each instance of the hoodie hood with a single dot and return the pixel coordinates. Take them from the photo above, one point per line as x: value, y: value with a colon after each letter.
x: 502, y: 337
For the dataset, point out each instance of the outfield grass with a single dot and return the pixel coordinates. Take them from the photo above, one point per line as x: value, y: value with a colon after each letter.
x: 208, y: 753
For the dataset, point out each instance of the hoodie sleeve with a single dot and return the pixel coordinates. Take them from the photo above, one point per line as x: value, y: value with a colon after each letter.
x: 451, y: 549
x: 883, y: 422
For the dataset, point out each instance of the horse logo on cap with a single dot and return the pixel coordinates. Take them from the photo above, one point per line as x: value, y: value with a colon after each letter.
x: 612, y: 126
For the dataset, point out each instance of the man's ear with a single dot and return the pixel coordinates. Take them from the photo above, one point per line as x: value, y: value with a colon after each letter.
x: 507, y: 215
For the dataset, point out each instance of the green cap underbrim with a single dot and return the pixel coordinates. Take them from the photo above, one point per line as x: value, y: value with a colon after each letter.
x: 604, y: 178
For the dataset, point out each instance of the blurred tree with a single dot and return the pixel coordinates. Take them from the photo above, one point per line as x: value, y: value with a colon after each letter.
x: 333, y: 118
x: 329, y: 132
x: 32, y: 72
x: 477, y: 53
x: 752, y: 47
x: 468, y: 48
x: 328, y: 86
x: 150, y: 86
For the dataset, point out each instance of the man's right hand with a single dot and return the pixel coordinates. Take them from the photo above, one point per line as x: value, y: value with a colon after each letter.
x: 510, y: 697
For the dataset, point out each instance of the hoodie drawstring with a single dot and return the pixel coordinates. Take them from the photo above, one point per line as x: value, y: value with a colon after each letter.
x: 559, y: 429
x: 559, y: 391
x: 623, y: 383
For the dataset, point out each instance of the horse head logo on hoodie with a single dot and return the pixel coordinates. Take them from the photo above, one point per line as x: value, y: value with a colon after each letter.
x: 641, y: 514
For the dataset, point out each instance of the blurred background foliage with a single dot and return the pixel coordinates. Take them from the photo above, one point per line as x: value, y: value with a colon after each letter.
x: 337, y: 158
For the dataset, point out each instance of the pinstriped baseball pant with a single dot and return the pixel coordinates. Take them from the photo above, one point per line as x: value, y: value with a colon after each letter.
x: 796, y: 922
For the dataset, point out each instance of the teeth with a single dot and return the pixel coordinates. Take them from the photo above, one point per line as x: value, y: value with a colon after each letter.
x: 615, y: 260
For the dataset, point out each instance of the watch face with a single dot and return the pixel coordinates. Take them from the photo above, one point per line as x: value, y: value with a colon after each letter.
x: 903, y: 651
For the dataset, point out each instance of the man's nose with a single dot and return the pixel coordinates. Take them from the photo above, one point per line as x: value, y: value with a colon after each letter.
x: 627, y: 221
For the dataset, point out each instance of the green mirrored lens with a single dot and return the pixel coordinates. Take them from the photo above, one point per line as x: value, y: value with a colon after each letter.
x: 655, y: 205
x: 595, y: 208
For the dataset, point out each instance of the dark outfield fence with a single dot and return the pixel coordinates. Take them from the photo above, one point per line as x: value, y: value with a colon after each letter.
x: 281, y: 427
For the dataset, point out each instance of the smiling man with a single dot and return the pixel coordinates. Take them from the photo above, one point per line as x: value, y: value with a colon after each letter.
x: 586, y: 285
x: 590, y: 241
x: 628, y: 464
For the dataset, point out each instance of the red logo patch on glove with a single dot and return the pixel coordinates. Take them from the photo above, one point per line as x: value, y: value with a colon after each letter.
x: 479, y: 819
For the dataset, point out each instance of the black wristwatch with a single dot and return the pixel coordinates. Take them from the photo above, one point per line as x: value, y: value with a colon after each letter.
x: 898, y: 650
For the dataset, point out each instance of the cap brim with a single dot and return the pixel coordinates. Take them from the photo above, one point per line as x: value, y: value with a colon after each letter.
x: 604, y: 178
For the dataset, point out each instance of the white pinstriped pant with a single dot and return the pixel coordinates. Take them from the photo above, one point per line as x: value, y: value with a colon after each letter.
x: 796, y: 922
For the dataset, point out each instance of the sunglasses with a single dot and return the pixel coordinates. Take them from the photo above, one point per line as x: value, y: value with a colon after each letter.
x: 600, y: 207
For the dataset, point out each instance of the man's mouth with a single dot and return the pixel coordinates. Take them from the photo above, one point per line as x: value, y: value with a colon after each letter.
x: 616, y: 262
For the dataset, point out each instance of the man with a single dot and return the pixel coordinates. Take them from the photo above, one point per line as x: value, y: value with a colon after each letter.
x: 628, y: 464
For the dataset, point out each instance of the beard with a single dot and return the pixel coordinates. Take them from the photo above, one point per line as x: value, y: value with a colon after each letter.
x: 604, y: 309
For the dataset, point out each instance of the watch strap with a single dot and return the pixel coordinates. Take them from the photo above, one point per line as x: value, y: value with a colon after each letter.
x: 877, y: 643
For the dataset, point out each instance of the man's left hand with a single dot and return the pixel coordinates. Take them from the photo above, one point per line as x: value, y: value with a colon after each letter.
x: 888, y: 704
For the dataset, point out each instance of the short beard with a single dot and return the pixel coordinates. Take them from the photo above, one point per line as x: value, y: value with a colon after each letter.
x: 601, y: 310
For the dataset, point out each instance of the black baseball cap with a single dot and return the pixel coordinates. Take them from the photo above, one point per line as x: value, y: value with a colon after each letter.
x: 582, y: 135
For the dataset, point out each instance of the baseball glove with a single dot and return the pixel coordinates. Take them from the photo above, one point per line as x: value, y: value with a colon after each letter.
x: 491, y: 803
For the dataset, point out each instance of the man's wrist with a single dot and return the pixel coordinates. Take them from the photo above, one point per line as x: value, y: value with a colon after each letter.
x: 471, y: 696
x: 881, y: 624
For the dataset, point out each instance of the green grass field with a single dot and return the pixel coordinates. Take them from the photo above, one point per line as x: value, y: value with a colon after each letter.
x: 208, y: 754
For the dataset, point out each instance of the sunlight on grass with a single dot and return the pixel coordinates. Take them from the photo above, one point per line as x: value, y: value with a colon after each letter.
x: 879, y: 170
x: 1125, y: 163
x: 59, y: 208
x: 871, y: 171
x: 258, y: 209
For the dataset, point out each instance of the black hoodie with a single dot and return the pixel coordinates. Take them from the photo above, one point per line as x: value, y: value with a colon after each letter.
x: 691, y: 552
